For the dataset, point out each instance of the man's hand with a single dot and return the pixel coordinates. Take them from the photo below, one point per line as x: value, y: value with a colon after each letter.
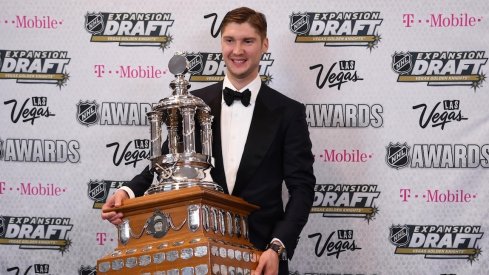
x: 114, y: 201
x: 267, y: 264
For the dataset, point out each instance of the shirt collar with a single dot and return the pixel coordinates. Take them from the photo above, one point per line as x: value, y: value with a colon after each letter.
x: 254, y: 87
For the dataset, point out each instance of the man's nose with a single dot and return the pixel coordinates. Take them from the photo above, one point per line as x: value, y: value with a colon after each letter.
x: 238, y: 49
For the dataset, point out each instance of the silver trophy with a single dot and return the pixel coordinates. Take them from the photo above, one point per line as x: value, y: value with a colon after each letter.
x: 182, y: 166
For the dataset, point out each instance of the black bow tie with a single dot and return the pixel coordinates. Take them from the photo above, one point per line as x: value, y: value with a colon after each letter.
x: 231, y: 95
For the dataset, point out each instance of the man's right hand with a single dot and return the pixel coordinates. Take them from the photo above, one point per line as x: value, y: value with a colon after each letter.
x: 114, y: 201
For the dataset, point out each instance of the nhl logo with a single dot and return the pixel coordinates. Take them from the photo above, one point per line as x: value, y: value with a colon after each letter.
x: 87, y: 270
x: 299, y: 23
x: 2, y: 226
x: 87, y: 112
x: 402, y: 63
x: 195, y: 63
x: 97, y: 190
x: 1, y: 149
x: 94, y: 23
x: 398, y: 155
x: 399, y: 235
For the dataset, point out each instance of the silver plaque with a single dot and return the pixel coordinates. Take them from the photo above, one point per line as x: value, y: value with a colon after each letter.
x: 144, y: 260
x: 230, y: 221
x: 254, y: 257
x: 222, y: 252
x: 214, y: 218
x: 131, y: 262
x: 247, y: 272
x: 237, y: 225
x: 246, y: 256
x: 215, y: 269
x: 230, y: 253
x: 117, y: 264
x: 179, y: 243
x: 245, y: 228
x: 202, y: 269
x: 239, y: 271
x: 171, y: 256
x: 237, y: 255
x: 224, y: 270
x: 200, y: 251
x: 163, y: 245
x: 158, y: 258
x: 193, y: 217
x: 131, y: 251
x: 188, y: 271
x: 232, y: 270
x: 159, y: 273
x: 173, y: 272
x: 187, y: 253
x: 222, y: 225
x: 124, y: 231
x: 104, y: 267
x: 205, y: 218
x: 116, y: 253
x: 147, y: 248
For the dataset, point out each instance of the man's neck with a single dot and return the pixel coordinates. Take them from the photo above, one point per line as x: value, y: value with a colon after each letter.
x: 241, y: 83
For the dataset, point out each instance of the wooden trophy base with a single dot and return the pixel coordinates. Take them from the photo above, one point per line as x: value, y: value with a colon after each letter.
x: 189, y: 231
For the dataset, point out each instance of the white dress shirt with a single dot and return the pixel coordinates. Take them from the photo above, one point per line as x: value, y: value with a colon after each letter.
x: 235, y: 125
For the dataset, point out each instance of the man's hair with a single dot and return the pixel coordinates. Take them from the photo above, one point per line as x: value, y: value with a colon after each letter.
x: 246, y: 15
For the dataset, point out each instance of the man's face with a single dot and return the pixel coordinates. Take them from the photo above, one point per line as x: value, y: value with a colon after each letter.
x: 242, y: 48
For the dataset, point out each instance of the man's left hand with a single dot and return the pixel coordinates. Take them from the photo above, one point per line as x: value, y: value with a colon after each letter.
x: 267, y: 264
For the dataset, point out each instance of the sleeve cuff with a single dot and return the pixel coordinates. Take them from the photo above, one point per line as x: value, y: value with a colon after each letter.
x: 279, y: 241
x: 128, y: 191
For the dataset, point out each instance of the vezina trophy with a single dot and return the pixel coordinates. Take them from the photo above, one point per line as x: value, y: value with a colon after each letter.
x: 184, y: 224
x: 182, y: 166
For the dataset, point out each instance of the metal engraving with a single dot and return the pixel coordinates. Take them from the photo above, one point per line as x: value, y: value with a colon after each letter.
x: 230, y: 253
x: 131, y: 262
x: 188, y: 271
x: 222, y: 225
x: 200, y: 251
x: 237, y: 255
x: 171, y: 255
x: 117, y: 264
x: 230, y: 221
x: 104, y: 267
x: 222, y: 252
x: 202, y: 269
x: 205, y: 218
x: 187, y: 253
x: 193, y: 217
x: 144, y: 260
x: 158, y: 258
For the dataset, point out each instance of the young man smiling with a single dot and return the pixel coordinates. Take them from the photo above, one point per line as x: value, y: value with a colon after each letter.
x: 259, y: 143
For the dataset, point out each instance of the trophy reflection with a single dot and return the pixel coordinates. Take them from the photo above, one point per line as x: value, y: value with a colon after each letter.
x: 176, y: 161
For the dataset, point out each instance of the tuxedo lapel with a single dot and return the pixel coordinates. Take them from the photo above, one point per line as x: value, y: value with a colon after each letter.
x: 263, y: 128
x: 218, y: 174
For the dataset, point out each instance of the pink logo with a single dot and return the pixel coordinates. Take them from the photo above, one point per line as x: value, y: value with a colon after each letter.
x: 128, y: 71
x: 440, y: 20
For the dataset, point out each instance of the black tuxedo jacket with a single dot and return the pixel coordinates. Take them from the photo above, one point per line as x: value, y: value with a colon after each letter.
x: 277, y: 149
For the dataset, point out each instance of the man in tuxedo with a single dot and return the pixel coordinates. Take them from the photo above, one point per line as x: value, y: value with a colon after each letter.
x: 260, y: 141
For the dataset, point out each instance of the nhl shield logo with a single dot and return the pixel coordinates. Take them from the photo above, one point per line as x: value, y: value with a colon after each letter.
x: 87, y: 112
x: 402, y: 63
x: 398, y: 155
x: 87, y: 270
x: 195, y: 63
x: 97, y: 190
x: 299, y: 23
x: 94, y: 23
x: 2, y: 226
x: 399, y: 235
x: 1, y: 149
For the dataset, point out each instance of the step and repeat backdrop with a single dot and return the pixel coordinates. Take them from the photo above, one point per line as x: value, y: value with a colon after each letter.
x: 396, y: 97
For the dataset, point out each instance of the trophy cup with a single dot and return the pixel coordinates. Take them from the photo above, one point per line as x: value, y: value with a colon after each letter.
x: 182, y: 166
x: 183, y: 225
